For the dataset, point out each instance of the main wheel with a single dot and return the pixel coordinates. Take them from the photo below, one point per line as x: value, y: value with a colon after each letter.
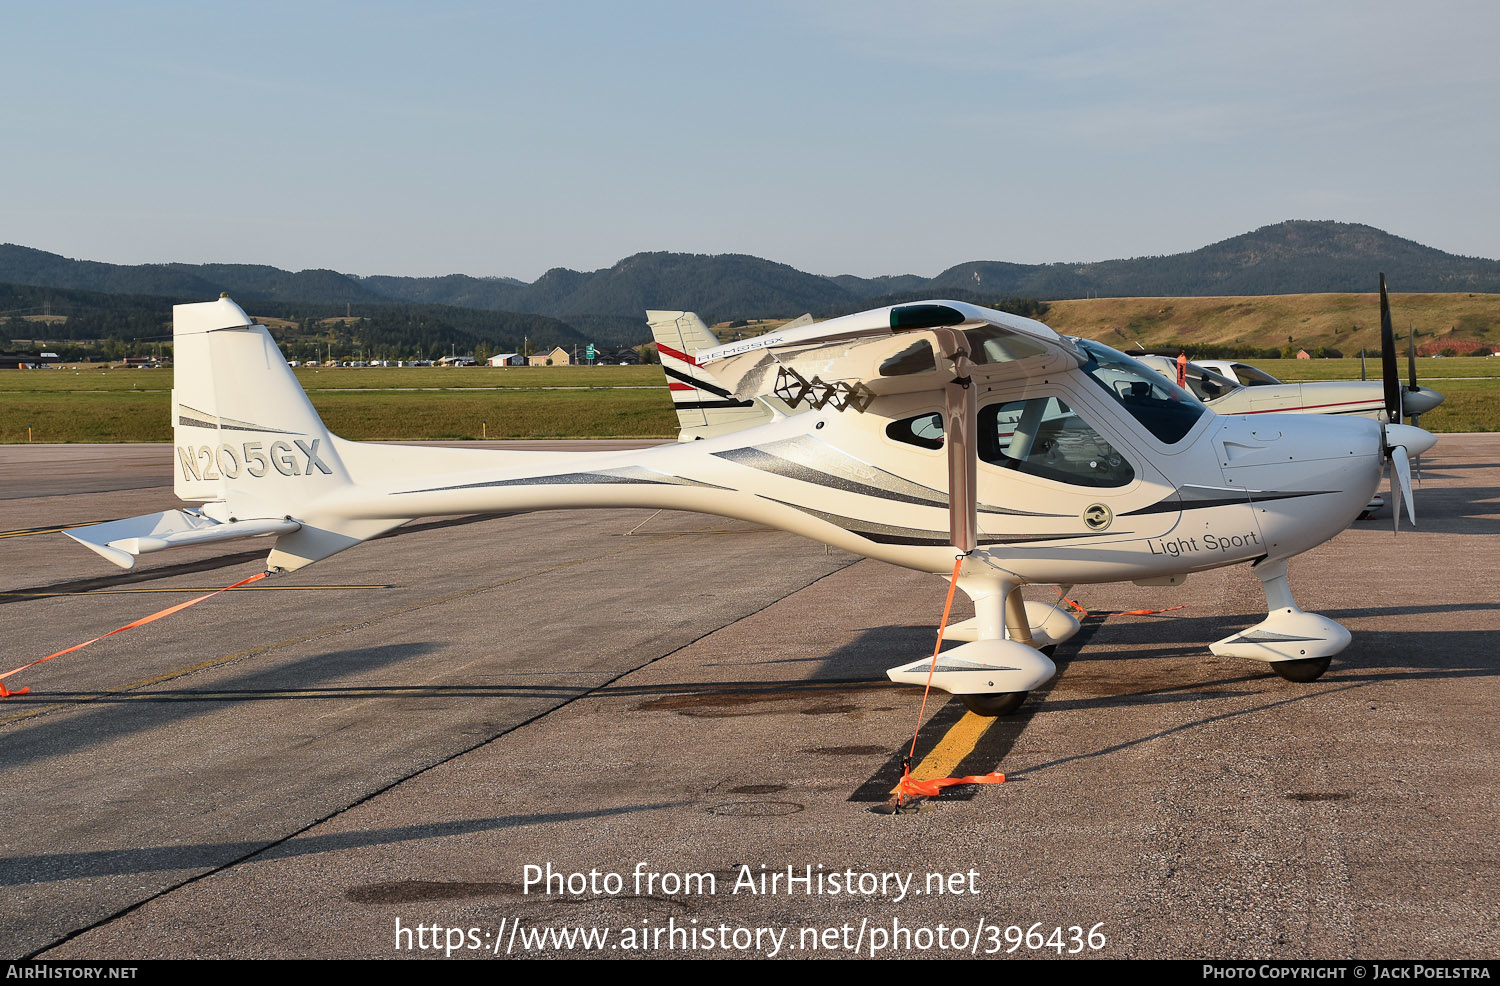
x: 994, y: 703
x: 1304, y: 670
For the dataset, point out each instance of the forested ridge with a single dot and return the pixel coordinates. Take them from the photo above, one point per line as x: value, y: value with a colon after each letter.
x: 606, y: 306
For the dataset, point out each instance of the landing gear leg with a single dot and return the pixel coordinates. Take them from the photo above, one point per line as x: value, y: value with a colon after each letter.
x: 994, y: 673
x: 1298, y: 645
x: 1017, y: 628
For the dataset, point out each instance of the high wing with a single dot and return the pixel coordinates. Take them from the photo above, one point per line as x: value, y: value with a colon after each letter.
x: 945, y: 346
x: 892, y: 350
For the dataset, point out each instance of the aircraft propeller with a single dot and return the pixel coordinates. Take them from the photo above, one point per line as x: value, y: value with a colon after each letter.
x: 1395, y: 436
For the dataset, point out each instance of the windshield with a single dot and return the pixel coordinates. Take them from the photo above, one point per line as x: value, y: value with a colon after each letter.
x: 1251, y: 377
x: 1207, y: 385
x: 1165, y: 409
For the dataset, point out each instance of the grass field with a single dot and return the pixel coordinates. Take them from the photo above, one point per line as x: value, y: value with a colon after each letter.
x: 1344, y: 322
x: 369, y: 403
x: 87, y: 377
x: 415, y: 403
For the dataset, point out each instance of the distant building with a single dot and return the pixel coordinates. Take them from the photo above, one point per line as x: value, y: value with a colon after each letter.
x: 508, y: 359
x: 623, y: 355
x: 26, y: 361
x: 1303, y: 354
x: 557, y: 356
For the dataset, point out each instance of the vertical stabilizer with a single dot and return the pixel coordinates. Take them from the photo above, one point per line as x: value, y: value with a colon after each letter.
x: 243, y: 428
x: 704, y: 409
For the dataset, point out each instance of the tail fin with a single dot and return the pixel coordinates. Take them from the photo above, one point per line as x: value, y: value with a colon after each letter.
x: 704, y: 409
x: 248, y: 445
x: 244, y: 429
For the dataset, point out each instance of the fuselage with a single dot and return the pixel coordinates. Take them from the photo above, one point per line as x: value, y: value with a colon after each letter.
x: 1073, y: 485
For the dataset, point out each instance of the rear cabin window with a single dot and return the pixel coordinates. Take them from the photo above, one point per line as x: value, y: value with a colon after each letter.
x: 923, y: 431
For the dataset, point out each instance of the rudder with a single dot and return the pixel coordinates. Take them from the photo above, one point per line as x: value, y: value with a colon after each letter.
x: 704, y: 409
x: 243, y: 429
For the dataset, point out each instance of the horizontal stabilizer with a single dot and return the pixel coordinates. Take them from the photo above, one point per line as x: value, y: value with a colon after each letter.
x: 121, y: 541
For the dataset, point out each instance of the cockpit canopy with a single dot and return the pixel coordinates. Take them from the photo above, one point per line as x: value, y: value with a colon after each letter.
x: 1165, y: 409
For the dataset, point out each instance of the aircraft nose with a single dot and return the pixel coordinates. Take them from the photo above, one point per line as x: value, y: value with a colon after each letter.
x: 1419, y: 401
x: 1414, y: 440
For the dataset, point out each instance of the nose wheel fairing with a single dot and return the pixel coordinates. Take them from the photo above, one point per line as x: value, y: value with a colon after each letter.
x: 1003, y: 658
x: 982, y: 667
x: 1304, y: 641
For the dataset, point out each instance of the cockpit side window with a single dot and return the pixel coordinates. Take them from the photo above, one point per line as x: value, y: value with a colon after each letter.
x: 1165, y: 409
x: 1044, y: 437
x: 1041, y: 436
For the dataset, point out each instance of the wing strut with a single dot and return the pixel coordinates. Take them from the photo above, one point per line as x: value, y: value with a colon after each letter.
x: 961, y: 434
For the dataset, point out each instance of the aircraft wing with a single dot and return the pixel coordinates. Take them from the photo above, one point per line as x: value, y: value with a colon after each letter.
x: 898, y: 349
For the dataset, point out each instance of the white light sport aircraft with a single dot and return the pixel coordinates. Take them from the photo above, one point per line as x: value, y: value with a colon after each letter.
x: 1230, y: 387
x: 1067, y: 462
x: 1324, y: 397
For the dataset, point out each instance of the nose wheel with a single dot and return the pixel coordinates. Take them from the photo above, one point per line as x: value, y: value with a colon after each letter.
x: 1302, y: 671
x: 994, y: 704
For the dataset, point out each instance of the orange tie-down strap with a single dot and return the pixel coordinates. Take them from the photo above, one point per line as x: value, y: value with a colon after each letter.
x: 6, y: 693
x: 1084, y: 614
x: 908, y: 785
x: 931, y: 789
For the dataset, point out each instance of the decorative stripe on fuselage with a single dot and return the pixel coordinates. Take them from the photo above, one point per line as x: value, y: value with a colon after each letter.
x: 1196, y: 497
x: 809, y: 460
x: 628, y: 475
x: 892, y: 534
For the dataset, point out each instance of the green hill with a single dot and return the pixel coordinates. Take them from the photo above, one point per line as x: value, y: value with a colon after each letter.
x: 1294, y: 257
x: 1345, y: 322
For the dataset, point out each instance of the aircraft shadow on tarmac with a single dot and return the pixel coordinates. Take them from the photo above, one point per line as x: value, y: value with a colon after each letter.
x: 1381, y: 658
x: 47, y: 867
x: 1446, y: 510
x: 155, y: 573
x: 108, y: 718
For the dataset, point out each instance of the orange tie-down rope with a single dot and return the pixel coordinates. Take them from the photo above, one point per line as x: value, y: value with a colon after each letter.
x: 1084, y: 614
x: 933, y: 787
x: 6, y: 693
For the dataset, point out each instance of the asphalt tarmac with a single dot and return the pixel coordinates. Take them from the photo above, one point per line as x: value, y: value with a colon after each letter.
x: 668, y: 709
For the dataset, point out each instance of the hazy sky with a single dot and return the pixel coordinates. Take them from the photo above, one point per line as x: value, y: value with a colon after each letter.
x: 861, y: 137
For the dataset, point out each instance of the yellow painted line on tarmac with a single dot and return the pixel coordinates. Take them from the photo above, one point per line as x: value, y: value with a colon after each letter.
x: 243, y: 588
x: 956, y: 744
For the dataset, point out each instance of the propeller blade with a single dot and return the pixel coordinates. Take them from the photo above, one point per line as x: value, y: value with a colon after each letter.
x: 1362, y: 375
x: 1411, y: 358
x: 1402, y: 465
x: 1388, y: 371
x: 1395, y: 484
